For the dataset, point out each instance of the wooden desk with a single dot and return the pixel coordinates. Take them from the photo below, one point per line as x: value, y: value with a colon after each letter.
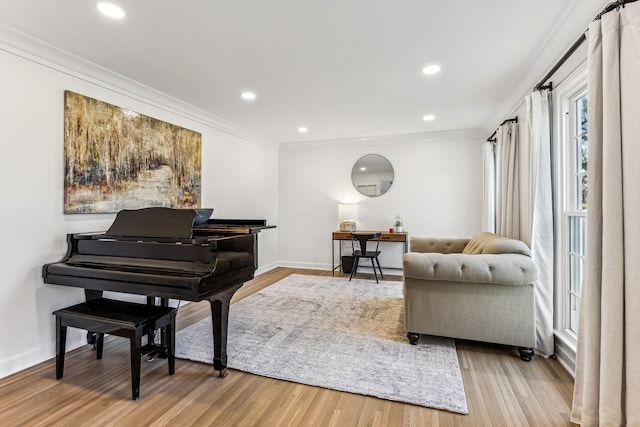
x: 385, y: 236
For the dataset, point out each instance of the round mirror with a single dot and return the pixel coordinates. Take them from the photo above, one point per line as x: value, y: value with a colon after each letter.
x: 372, y: 175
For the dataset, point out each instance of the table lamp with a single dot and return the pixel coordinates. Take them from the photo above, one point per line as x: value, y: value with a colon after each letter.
x: 347, y: 213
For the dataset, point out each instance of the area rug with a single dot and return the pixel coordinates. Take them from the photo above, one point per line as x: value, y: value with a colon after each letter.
x: 337, y: 334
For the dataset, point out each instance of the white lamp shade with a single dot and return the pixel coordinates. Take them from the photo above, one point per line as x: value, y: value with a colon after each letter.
x: 347, y: 211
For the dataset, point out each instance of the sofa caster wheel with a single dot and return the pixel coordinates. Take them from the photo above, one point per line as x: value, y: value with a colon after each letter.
x: 413, y: 338
x: 525, y: 353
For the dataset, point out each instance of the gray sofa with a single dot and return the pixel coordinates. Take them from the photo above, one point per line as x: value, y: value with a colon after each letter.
x: 479, y: 289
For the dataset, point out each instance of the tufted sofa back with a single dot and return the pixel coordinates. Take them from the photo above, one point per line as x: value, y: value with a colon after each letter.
x: 441, y: 246
x: 486, y: 258
x: 490, y: 243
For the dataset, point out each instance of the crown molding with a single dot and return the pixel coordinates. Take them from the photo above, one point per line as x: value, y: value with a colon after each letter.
x: 379, y: 140
x: 45, y: 54
x: 577, y: 16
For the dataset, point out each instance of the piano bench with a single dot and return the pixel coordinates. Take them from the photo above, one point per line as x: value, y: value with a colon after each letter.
x: 121, y: 318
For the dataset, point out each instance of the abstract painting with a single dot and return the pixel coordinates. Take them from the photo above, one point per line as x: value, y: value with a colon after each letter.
x: 118, y: 159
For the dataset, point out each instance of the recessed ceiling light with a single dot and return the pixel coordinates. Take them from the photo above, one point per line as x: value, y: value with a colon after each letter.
x: 302, y: 129
x: 431, y: 69
x: 428, y: 117
x: 111, y: 10
x: 249, y: 96
x: 362, y: 169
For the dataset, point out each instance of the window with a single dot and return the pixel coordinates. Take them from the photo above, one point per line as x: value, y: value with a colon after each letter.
x: 576, y: 205
x: 572, y: 189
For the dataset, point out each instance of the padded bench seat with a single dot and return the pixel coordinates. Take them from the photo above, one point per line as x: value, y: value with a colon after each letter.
x: 120, y: 318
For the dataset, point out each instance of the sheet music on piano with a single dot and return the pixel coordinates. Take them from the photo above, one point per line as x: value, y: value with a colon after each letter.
x: 232, y: 226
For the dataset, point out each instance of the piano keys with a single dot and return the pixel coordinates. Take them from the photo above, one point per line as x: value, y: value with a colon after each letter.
x: 157, y: 252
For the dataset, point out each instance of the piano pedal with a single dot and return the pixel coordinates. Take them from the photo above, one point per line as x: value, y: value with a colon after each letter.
x: 92, y: 338
x: 153, y: 351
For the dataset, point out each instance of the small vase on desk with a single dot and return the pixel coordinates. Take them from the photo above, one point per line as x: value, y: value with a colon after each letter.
x: 397, y: 223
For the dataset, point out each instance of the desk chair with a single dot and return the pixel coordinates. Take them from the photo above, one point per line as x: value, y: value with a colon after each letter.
x: 362, y: 252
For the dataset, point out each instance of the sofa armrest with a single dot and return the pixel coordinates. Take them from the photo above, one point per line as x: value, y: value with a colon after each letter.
x: 503, y: 269
x: 443, y: 246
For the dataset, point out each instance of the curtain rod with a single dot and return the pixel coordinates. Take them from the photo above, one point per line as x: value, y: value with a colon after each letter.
x: 608, y: 8
x: 616, y: 5
x: 491, y: 138
x: 561, y: 62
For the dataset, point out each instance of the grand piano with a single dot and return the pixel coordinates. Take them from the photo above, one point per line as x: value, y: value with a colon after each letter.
x: 159, y: 253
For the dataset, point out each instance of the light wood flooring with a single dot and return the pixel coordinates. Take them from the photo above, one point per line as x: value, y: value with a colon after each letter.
x: 501, y: 390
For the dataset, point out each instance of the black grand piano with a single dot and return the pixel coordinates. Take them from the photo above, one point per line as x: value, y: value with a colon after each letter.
x: 159, y: 253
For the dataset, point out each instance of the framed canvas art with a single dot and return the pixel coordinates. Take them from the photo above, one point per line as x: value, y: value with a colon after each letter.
x: 115, y: 159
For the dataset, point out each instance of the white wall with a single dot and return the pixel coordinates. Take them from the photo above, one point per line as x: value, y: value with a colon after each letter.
x: 239, y: 180
x: 437, y: 190
x: 437, y: 187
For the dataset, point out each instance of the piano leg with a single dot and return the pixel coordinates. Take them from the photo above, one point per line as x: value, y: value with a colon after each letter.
x: 90, y: 294
x: 220, y: 320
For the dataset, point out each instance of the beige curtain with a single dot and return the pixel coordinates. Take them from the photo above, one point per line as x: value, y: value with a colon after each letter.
x: 537, y: 211
x: 607, y: 383
x: 507, y: 181
x: 524, y: 208
x: 489, y: 187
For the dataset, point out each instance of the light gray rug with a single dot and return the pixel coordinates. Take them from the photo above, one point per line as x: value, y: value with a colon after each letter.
x: 336, y: 334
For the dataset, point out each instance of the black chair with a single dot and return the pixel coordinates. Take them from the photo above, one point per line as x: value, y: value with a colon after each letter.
x: 362, y: 251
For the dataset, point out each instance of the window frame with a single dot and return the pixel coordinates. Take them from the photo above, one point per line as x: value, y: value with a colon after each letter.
x: 566, y: 195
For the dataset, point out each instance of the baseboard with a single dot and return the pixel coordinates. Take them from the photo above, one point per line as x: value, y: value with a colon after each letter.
x: 566, y: 354
x: 318, y: 266
x: 265, y: 268
x: 385, y: 271
x: 77, y: 338
x: 304, y: 265
x: 19, y: 362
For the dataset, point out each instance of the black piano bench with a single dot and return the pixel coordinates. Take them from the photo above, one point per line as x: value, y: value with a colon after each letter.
x: 121, y: 318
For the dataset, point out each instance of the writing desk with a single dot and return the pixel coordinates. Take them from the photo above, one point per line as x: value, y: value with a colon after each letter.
x: 385, y: 236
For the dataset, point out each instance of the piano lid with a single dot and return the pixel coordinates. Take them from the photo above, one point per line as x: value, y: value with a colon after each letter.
x: 152, y: 222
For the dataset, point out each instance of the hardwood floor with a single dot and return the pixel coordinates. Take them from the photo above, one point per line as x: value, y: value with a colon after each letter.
x: 501, y: 390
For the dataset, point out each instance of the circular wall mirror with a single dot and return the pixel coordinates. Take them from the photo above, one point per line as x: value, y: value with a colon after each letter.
x: 372, y: 175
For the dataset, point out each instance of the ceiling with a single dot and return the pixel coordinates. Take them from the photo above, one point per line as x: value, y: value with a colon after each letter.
x: 342, y: 68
